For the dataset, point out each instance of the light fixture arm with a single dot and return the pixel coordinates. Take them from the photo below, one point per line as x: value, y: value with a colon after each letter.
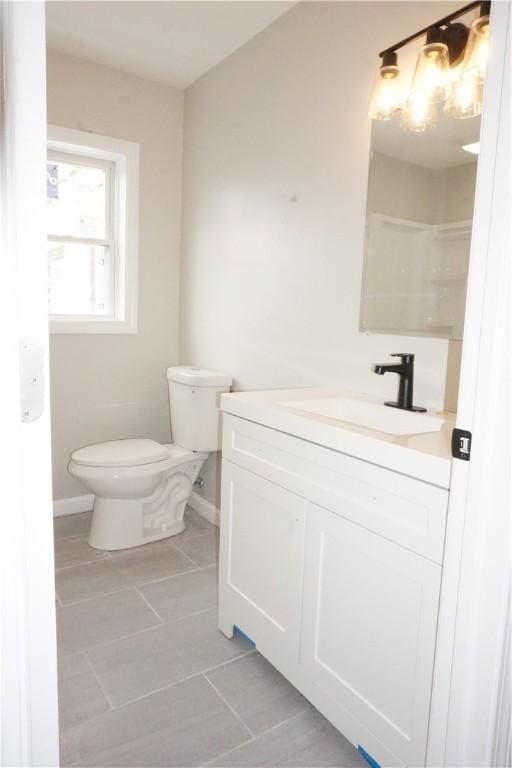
x: 485, y: 7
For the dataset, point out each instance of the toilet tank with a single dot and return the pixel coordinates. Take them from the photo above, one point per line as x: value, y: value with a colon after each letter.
x: 194, y: 397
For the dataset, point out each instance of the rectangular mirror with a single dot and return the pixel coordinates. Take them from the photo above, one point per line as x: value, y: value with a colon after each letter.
x: 419, y: 213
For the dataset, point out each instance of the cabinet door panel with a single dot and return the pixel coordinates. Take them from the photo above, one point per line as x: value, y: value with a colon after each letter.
x: 262, y: 540
x: 368, y: 629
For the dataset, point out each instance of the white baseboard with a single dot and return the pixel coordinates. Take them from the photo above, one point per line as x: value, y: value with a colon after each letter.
x: 76, y: 504
x: 205, y: 508
x: 73, y: 505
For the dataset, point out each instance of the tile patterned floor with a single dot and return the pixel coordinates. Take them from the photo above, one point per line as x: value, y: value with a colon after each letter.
x: 147, y: 680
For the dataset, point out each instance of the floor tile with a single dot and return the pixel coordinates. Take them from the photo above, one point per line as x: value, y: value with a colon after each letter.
x: 80, y: 696
x: 185, y: 725
x: 72, y: 525
x: 307, y: 741
x: 164, y: 655
x: 133, y: 567
x: 203, y: 550
x: 196, y: 525
x: 258, y: 693
x: 180, y: 596
x: 102, y: 619
x: 75, y: 552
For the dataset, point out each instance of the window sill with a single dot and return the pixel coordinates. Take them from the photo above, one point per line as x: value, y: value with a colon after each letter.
x: 89, y: 326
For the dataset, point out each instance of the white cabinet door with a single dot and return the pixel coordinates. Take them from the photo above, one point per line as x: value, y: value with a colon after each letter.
x: 261, y: 558
x: 368, y: 630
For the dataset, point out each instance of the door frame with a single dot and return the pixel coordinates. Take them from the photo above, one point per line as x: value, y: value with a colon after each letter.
x: 464, y: 724
x: 469, y: 696
x: 28, y: 657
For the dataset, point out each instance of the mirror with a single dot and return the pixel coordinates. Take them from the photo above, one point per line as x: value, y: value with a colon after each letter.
x: 419, y: 212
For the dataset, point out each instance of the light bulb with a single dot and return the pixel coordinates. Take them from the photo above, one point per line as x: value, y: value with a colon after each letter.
x: 420, y: 114
x: 386, y: 96
x: 466, y: 99
x: 431, y: 76
x: 477, y: 51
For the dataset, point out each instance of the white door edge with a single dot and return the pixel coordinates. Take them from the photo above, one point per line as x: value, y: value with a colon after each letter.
x: 468, y: 671
x: 28, y: 672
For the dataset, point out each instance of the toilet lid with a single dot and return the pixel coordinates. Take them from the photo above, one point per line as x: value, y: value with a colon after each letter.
x: 120, y: 453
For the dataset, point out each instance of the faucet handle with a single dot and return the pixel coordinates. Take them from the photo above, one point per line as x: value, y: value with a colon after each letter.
x: 406, y: 357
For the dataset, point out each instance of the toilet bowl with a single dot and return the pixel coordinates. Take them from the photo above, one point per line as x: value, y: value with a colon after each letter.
x: 141, y: 487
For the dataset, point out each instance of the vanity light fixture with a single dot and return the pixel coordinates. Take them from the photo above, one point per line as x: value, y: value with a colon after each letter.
x: 419, y: 113
x: 432, y: 68
x: 466, y: 99
x: 386, y: 92
x: 450, y: 70
x: 477, y: 50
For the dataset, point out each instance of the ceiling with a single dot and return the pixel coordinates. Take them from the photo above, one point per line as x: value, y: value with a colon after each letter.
x: 436, y: 148
x: 171, y: 42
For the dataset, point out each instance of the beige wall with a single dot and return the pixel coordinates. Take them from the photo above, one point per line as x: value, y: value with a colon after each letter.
x: 457, y: 198
x: 409, y: 191
x: 114, y: 386
x: 403, y: 190
x: 275, y: 171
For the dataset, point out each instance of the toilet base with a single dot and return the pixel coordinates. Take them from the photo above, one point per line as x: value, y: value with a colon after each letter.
x: 125, y: 523
x: 117, y: 524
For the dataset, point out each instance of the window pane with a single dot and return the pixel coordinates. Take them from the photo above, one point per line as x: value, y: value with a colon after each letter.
x: 76, y: 200
x: 80, y: 280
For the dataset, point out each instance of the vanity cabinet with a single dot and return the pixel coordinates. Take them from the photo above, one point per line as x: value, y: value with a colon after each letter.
x: 332, y: 566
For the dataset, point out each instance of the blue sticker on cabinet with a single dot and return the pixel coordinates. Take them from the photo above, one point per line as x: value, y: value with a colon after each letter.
x: 369, y: 759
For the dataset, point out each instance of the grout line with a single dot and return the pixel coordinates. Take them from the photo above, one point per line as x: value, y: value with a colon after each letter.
x: 139, y: 632
x: 96, y: 597
x: 190, y: 615
x: 115, y: 640
x: 130, y: 586
x: 178, y: 575
x: 99, y: 681
x: 187, y: 557
x: 150, y: 606
x: 202, y: 535
x: 206, y: 532
x: 172, y: 576
x: 158, y: 690
x: 229, y: 751
x: 106, y: 556
x: 259, y: 735
x: 199, y: 673
x: 228, y: 705
x: 225, y: 663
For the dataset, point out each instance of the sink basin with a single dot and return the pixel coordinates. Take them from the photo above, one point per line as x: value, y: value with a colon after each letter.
x: 369, y: 415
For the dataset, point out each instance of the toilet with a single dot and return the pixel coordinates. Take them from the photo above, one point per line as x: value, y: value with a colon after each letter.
x: 141, y: 487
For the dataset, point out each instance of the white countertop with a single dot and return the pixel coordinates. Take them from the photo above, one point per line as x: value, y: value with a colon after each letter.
x: 424, y: 456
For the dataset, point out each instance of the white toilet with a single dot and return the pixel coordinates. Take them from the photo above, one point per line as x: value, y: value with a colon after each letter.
x: 142, y: 487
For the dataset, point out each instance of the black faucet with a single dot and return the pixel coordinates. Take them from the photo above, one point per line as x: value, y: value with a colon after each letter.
x: 405, y: 370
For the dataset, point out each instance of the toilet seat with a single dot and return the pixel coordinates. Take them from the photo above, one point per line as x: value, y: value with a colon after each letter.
x: 134, y: 452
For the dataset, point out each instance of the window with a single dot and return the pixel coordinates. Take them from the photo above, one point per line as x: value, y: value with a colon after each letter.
x: 92, y: 210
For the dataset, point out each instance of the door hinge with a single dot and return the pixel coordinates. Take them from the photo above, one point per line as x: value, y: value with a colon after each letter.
x: 31, y: 379
x: 461, y: 444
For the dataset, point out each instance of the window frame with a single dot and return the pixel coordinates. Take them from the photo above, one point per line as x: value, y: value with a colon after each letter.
x: 123, y: 157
